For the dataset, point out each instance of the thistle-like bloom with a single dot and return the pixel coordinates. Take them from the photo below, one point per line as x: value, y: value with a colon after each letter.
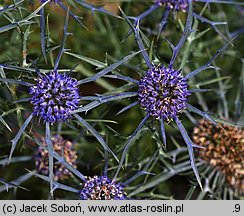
x: 65, y: 149
x: 177, y: 5
x: 224, y: 149
x: 54, y: 97
x: 102, y: 188
x: 163, y: 93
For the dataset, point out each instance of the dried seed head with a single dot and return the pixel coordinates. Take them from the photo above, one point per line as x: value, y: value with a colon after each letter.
x: 102, y: 188
x: 177, y: 5
x: 163, y: 93
x: 54, y: 97
x: 63, y: 148
x: 224, y: 150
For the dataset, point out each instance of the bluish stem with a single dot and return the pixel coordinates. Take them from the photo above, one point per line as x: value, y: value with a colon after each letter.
x: 62, y: 49
x: 18, y: 82
x: 213, y: 24
x: 10, y: 7
x: 208, y: 64
x: 93, y: 8
x: 127, y: 107
x: 107, y: 69
x: 146, y: 13
x: 127, y: 145
x: 136, y: 31
x: 121, y: 77
x: 190, y: 145
x: 15, y: 140
x: 75, y: 17
x: 133, y: 178
x: 163, y: 21
x: 105, y: 99
x: 162, y: 127
x: 50, y: 156
x: 43, y: 33
x: 201, y: 113
x: 221, y: 2
x: 95, y: 134
x: 186, y: 33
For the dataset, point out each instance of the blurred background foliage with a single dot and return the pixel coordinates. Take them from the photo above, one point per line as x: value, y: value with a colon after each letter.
x: 104, y: 40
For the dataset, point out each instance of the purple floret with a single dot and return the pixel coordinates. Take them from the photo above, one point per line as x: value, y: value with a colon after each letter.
x: 54, y: 97
x: 178, y: 5
x: 102, y: 188
x: 163, y: 93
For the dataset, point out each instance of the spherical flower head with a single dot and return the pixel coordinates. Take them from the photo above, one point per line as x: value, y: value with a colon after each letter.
x: 177, y: 5
x: 54, y: 97
x: 224, y: 149
x: 65, y: 149
x: 163, y: 93
x: 102, y: 188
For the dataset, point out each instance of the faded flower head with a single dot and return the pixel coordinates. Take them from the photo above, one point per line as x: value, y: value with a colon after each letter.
x: 178, y: 5
x: 102, y: 188
x: 163, y: 93
x: 63, y: 148
x: 54, y: 97
x: 224, y: 150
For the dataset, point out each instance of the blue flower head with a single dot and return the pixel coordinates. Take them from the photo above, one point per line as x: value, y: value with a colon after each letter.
x: 177, y: 5
x: 163, y: 92
x: 54, y: 97
x: 102, y: 188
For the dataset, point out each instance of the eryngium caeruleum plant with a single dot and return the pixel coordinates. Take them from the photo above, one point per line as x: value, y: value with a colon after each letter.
x: 76, y: 94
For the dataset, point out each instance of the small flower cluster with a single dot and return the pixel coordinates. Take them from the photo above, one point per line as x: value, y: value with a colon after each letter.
x: 163, y: 93
x: 54, y: 97
x: 102, y: 188
x: 224, y: 149
x: 177, y: 5
x: 63, y: 148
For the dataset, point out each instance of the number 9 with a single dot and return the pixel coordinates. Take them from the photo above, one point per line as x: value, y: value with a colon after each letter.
x: 237, y: 207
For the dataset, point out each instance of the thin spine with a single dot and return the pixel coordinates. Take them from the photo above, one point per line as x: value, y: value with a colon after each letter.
x: 185, y: 35
x: 107, y: 69
x: 75, y: 17
x: 95, y: 134
x: 43, y: 32
x: 15, y: 140
x: 127, y: 145
x: 201, y: 113
x: 163, y: 22
x: 208, y: 65
x: 190, y: 145
x: 128, y: 107
x: 65, y: 35
x: 94, y: 8
x: 136, y: 31
x: 104, y: 99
